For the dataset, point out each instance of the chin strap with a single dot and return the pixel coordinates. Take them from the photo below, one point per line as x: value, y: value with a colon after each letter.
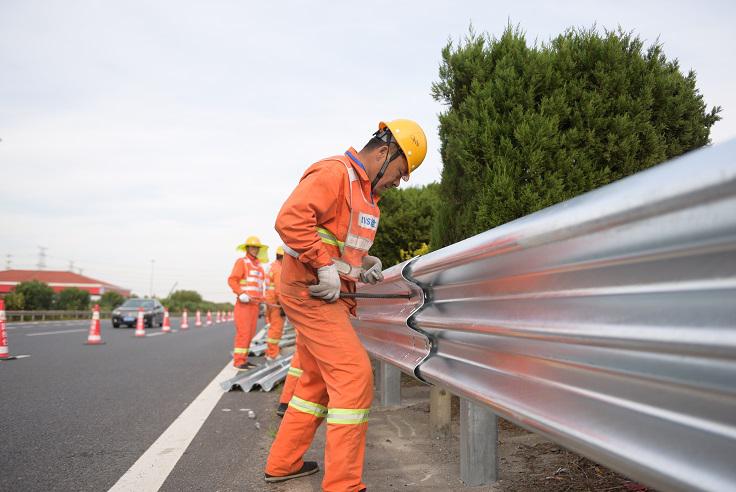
x: 387, y: 137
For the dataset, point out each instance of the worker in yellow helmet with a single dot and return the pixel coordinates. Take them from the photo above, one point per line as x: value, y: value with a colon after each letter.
x: 247, y: 281
x: 328, y: 224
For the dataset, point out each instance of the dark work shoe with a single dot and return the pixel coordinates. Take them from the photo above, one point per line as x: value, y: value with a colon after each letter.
x: 282, y: 409
x: 308, y: 468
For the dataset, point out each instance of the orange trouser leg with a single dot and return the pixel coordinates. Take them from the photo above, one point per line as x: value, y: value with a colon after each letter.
x: 246, y: 318
x: 295, y: 371
x: 336, y: 373
x: 274, y: 331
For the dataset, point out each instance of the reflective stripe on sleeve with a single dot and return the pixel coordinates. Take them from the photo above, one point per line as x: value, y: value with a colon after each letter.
x: 273, y: 340
x: 329, y: 238
x: 238, y: 350
x: 351, y: 416
x: 309, y: 407
x: 295, y: 371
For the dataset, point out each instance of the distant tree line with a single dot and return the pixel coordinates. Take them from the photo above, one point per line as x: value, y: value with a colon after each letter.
x: 35, y: 295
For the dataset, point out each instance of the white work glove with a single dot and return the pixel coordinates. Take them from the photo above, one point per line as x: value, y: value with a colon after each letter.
x: 371, y: 273
x: 244, y: 298
x: 328, y: 287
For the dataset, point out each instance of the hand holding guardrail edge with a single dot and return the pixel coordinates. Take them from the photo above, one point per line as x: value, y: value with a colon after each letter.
x: 606, y: 323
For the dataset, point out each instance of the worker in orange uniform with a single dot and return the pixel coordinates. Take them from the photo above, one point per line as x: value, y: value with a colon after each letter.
x: 247, y: 280
x: 328, y: 224
x: 274, y: 312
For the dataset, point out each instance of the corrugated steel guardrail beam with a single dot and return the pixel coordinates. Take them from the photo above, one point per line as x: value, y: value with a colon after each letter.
x: 606, y: 323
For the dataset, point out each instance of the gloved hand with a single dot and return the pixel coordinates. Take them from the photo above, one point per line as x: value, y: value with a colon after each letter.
x: 328, y: 287
x: 244, y: 298
x: 371, y: 273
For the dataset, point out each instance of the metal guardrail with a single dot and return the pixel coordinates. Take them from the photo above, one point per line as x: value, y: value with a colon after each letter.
x: 21, y: 316
x: 606, y: 323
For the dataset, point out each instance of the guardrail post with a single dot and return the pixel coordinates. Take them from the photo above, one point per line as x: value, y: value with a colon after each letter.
x: 440, y: 412
x: 478, y: 440
x: 389, y: 384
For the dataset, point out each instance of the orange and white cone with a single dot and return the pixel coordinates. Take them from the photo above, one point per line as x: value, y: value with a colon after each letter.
x: 198, y: 319
x: 218, y: 319
x: 166, y: 327
x: 184, y: 320
x: 4, y: 353
x: 140, y: 330
x: 94, y: 337
x: 209, y: 318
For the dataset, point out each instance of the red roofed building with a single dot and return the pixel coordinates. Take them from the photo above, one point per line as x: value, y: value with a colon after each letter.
x: 57, y: 281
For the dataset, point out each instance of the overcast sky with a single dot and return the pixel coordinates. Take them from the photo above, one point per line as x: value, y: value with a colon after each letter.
x: 171, y: 130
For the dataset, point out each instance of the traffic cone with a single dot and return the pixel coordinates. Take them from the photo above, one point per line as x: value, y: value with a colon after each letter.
x: 140, y: 330
x: 209, y: 318
x: 166, y: 328
x: 4, y: 354
x: 198, y: 320
x: 94, y: 337
x: 218, y: 319
x: 184, y: 320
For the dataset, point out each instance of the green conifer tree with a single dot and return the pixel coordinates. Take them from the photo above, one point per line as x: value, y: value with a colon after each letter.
x: 530, y: 126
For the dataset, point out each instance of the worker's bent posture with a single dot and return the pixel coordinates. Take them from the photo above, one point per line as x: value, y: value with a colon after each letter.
x: 273, y: 311
x: 247, y: 281
x: 328, y: 225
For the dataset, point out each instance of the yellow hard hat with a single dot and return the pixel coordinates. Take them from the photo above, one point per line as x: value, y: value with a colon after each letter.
x: 254, y: 241
x: 280, y: 251
x: 411, y: 139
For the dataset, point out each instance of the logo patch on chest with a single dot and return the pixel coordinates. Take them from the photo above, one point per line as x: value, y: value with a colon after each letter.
x: 368, y: 221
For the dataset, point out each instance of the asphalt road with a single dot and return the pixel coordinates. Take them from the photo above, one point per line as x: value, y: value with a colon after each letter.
x: 76, y: 417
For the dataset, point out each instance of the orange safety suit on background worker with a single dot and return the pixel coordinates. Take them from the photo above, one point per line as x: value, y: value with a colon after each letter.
x: 328, y: 225
x: 273, y: 310
x: 247, y: 281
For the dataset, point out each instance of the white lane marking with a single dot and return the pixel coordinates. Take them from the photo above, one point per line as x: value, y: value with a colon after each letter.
x: 55, y: 332
x: 155, y: 465
x: 155, y: 334
x: 15, y: 357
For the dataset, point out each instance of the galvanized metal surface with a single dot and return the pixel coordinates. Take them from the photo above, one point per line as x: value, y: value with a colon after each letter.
x: 607, y: 322
x: 265, y: 376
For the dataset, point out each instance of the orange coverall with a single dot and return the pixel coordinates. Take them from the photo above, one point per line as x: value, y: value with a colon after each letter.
x: 273, y: 311
x: 246, y: 277
x: 292, y: 377
x: 336, y: 380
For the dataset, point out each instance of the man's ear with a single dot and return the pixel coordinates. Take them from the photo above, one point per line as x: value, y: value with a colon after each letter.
x: 382, y: 153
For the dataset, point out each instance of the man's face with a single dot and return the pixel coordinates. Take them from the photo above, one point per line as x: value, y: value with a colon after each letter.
x: 252, y: 250
x: 396, y: 170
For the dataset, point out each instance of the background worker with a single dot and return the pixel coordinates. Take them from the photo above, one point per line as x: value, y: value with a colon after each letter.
x: 328, y: 224
x: 247, y: 281
x: 274, y: 312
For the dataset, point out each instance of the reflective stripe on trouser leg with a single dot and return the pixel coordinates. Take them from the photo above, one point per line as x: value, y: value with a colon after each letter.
x: 273, y: 340
x: 295, y: 371
x: 319, y: 411
x: 347, y: 416
x: 246, y: 318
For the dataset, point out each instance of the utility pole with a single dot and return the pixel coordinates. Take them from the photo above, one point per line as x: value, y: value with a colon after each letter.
x: 150, y: 290
x: 71, y: 265
x: 41, y: 257
x: 8, y: 261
